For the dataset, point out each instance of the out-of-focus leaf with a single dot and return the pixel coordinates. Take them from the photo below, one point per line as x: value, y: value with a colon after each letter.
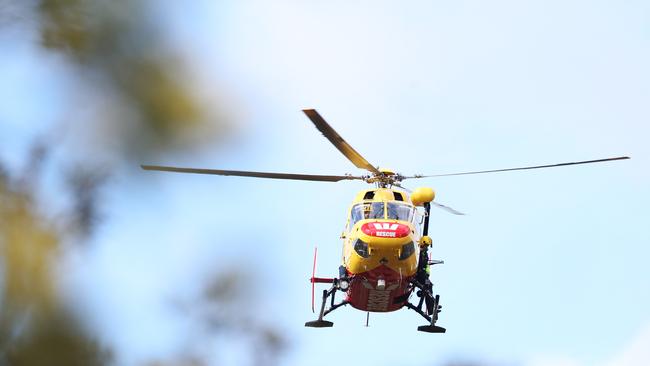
x: 65, y: 25
x: 84, y: 183
x: 28, y: 247
x: 123, y: 56
x: 56, y: 341
x: 34, y: 327
x: 224, y: 307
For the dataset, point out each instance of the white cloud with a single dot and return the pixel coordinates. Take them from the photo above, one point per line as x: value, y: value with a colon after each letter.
x: 553, y: 361
x: 635, y: 353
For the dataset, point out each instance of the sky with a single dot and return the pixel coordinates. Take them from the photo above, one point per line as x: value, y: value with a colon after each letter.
x: 548, y: 267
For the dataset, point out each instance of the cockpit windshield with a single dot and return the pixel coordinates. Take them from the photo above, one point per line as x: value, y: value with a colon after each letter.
x: 375, y: 210
x: 399, y: 211
x: 362, y: 211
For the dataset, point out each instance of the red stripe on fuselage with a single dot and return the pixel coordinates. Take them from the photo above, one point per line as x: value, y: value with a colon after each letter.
x: 365, y: 294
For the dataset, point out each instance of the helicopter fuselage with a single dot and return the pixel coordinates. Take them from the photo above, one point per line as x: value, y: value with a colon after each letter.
x: 380, y: 250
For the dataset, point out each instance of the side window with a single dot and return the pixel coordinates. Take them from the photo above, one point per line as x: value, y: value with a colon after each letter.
x: 356, y: 215
x: 418, y: 220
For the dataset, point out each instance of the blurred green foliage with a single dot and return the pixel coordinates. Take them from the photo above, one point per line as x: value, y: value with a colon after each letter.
x: 35, y: 327
x: 120, y: 51
x: 117, y: 50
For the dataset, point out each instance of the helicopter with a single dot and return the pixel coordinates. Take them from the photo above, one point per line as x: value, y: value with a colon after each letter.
x: 386, y: 240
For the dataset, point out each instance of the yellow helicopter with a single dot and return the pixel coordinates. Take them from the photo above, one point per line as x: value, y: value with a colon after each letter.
x: 385, y: 241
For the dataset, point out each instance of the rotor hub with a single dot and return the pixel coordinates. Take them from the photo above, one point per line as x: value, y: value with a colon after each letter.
x: 384, y: 178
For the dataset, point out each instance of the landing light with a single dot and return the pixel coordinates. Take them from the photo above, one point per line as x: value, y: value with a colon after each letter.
x: 381, y: 284
x: 344, y: 284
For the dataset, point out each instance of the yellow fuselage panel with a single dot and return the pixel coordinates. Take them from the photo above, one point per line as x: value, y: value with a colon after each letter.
x: 379, y: 195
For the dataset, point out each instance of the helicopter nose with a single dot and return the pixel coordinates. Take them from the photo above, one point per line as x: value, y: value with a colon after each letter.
x: 386, y: 251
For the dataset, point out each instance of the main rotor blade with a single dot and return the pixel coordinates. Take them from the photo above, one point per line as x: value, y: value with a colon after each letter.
x: 239, y: 173
x: 338, y: 141
x: 446, y: 208
x: 439, y: 205
x: 396, y: 184
x: 522, y: 168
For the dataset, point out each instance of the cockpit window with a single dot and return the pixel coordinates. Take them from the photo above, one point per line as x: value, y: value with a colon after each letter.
x: 400, y: 211
x: 362, y: 211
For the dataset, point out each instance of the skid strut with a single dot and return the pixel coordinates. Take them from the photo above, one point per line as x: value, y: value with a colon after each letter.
x: 432, y: 308
x: 320, y: 323
x: 428, y: 306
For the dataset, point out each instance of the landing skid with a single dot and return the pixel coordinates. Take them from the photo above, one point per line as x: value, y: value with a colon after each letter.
x: 431, y: 329
x: 432, y: 307
x: 320, y: 323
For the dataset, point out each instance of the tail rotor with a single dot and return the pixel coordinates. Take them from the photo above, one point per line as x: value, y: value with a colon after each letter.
x: 313, y: 282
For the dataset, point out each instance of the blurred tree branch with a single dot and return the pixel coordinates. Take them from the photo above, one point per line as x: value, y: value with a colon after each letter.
x: 227, y: 305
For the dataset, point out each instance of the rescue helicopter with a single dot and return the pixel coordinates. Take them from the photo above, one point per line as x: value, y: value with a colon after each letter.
x: 386, y: 238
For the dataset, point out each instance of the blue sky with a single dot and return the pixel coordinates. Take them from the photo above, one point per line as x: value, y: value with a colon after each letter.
x: 548, y: 267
